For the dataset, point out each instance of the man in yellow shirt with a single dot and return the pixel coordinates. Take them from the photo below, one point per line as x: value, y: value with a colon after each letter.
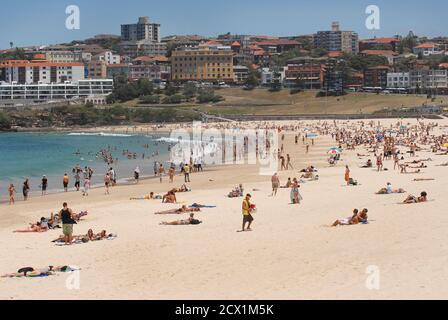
x: 247, y: 217
x: 187, y: 172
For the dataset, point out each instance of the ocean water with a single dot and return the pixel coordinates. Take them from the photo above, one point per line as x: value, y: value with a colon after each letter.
x: 32, y: 155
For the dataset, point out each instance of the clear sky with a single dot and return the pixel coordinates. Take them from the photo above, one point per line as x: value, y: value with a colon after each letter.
x: 29, y: 22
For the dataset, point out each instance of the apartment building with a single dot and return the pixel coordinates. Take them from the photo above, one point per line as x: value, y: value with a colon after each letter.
x: 380, y: 44
x: 55, y: 91
x: 337, y: 40
x: 115, y: 70
x: 155, y: 69
x: 305, y: 75
x: 96, y: 69
x: 40, y: 71
x: 376, y: 77
x: 64, y: 56
x: 241, y: 74
x: 109, y: 57
x: 142, y: 30
x: 202, y: 63
x: 427, y: 49
x: 135, y: 49
x: 398, y: 80
x: 428, y: 79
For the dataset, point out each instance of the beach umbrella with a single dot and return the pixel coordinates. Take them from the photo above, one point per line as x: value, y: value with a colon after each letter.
x: 312, y: 135
x: 334, y: 152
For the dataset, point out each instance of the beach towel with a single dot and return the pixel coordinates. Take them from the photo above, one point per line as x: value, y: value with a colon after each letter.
x: 195, y: 205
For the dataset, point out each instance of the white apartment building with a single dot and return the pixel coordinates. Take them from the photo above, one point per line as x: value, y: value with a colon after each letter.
x: 56, y: 91
x: 398, y: 80
x: 428, y: 79
x: 26, y: 72
x: 109, y: 57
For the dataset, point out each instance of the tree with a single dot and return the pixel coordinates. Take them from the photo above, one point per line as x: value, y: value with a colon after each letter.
x: 5, y: 121
x: 144, y: 87
x: 190, y: 90
x: 253, y: 78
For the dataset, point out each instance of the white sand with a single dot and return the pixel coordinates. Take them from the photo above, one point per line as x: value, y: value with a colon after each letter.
x: 291, y: 254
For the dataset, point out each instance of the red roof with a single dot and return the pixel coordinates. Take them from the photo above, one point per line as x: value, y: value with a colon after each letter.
x: 118, y: 65
x: 381, y: 40
x: 427, y: 45
x: 213, y: 43
x: 236, y: 44
x: 443, y: 65
x: 334, y: 54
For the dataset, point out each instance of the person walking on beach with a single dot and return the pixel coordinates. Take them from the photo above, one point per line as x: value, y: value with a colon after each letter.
x: 65, y: 181
x: 44, y: 185
x: 347, y: 175
x: 247, y: 216
x: 171, y: 173
x: 161, y: 172
x: 77, y: 180
x: 275, y: 184
x: 66, y: 215
x: 12, y: 192
x: 85, y: 192
x: 26, y: 189
x: 187, y: 173
x: 107, y: 183
x: 137, y: 174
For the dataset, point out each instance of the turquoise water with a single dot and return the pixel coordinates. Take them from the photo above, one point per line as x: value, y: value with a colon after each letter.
x: 31, y: 155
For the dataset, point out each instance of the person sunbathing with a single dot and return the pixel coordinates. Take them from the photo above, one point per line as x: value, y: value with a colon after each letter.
x: 422, y: 165
x: 170, y: 197
x: 357, y: 218
x: 32, y: 272
x: 150, y: 196
x: 287, y: 185
x: 368, y: 164
x: 307, y: 175
x: 183, y: 188
x: 411, y: 199
x: 184, y: 209
x: 189, y: 221
x: 389, y: 190
x: 38, y: 228
x: 237, y: 192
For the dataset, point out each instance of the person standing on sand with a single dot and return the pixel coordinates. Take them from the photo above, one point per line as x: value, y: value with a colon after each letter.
x: 65, y: 181
x: 77, y: 180
x: 44, y: 185
x: 275, y: 184
x: 347, y: 175
x: 247, y: 216
x: 161, y: 172
x: 66, y: 215
x: 12, y: 192
x: 85, y: 192
x: 26, y: 189
x: 187, y: 173
x: 107, y: 183
x: 171, y: 173
x: 137, y: 174
x: 307, y: 148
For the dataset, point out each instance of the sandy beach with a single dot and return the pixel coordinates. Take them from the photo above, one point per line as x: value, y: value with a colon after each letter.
x: 292, y: 253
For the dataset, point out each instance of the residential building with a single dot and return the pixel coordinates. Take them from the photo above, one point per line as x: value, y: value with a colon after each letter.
x: 97, y: 69
x: 334, y: 82
x: 202, y: 63
x: 398, y: 80
x: 427, y: 49
x: 278, y: 45
x: 156, y: 69
x: 55, y: 91
x: 241, y: 74
x: 337, y: 40
x: 270, y: 76
x: 376, y: 77
x: 380, y: 44
x: 108, y: 57
x: 40, y: 71
x: 306, y: 76
x: 64, y: 56
x: 135, y: 49
x: 424, y: 79
x: 115, y: 70
x: 142, y: 30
